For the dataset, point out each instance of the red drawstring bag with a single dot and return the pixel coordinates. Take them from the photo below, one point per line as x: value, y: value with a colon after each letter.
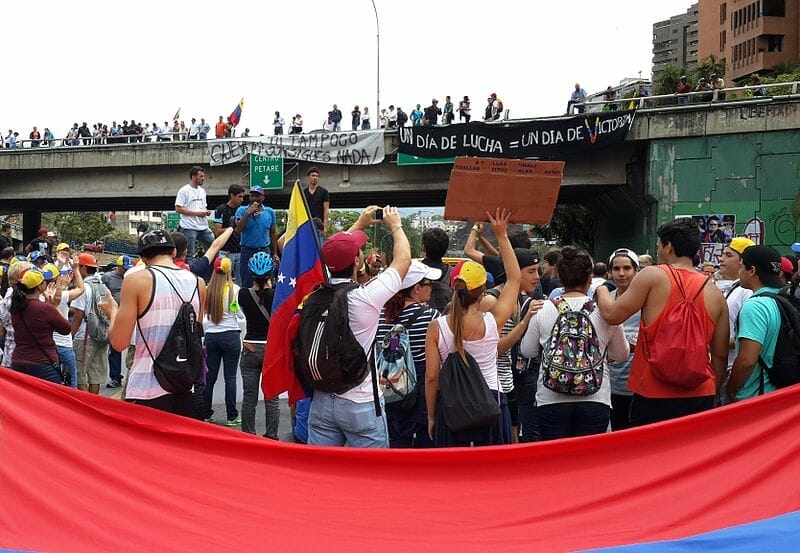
x: 678, y: 355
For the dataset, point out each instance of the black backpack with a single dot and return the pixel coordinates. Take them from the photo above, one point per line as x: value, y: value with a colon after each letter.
x: 328, y: 357
x: 179, y: 364
x: 441, y: 293
x: 465, y: 397
x: 785, y: 369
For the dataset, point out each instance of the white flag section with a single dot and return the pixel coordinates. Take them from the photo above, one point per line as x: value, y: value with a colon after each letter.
x: 341, y: 148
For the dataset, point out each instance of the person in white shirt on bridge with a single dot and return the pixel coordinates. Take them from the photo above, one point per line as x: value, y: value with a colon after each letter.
x: 191, y: 204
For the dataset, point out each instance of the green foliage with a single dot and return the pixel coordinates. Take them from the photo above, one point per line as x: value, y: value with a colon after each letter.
x: 667, y: 79
x: 571, y: 225
x: 122, y: 236
x: 77, y: 227
x: 707, y: 67
x: 380, y: 239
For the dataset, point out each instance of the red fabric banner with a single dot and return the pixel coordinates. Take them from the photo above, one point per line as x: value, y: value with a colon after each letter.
x: 81, y: 473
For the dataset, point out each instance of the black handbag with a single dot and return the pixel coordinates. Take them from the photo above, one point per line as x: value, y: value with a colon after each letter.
x: 65, y: 376
x: 466, y: 400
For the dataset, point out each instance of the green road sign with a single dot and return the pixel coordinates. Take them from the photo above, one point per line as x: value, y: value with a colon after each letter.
x: 173, y: 220
x: 406, y: 159
x: 266, y: 172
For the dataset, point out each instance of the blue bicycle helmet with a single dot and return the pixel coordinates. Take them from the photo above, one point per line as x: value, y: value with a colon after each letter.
x: 261, y: 264
x: 35, y: 255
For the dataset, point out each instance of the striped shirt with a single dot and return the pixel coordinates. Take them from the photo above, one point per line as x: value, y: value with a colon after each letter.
x: 505, y: 374
x: 417, y: 331
x: 155, y: 326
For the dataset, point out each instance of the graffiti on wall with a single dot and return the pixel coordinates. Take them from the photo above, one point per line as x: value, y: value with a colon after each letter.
x: 784, y: 226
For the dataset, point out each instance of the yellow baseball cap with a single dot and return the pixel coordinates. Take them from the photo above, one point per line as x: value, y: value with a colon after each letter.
x: 470, y: 273
x: 50, y: 271
x: 62, y: 246
x: 31, y: 278
x: 740, y: 243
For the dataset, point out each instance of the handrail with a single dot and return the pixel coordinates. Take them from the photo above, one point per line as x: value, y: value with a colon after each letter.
x: 641, y: 104
x: 642, y: 101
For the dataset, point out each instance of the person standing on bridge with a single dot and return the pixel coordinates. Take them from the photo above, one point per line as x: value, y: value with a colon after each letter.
x: 191, y: 204
x: 317, y: 198
x: 256, y: 225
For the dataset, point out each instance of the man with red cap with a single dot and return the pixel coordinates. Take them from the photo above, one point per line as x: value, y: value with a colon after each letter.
x: 41, y: 243
x: 91, y: 354
x: 349, y: 418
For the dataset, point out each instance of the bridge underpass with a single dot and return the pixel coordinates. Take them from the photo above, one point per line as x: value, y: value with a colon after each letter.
x: 675, y: 162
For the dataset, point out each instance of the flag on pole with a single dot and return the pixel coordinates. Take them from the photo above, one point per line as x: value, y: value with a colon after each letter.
x: 299, y: 273
x: 236, y: 115
x: 177, y: 115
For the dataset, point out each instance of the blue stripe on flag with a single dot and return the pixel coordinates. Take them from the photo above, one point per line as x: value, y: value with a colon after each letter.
x: 781, y: 533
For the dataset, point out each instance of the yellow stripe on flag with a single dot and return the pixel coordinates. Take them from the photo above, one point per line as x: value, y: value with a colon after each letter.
x: 297, y: 215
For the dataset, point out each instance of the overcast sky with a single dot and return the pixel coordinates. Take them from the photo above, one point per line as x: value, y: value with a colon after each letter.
x: 98, y: 61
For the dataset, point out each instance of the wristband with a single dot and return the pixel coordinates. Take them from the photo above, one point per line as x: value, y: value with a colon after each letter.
x: 476, y: 229
x: 398, y: 227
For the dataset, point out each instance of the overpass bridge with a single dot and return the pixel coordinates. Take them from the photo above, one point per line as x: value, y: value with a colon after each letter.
x: 739, y: 158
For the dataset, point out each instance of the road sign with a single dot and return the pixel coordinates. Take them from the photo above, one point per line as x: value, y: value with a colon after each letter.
x: 266, y: 172
x: 173, y: 220
x: 407, y: 159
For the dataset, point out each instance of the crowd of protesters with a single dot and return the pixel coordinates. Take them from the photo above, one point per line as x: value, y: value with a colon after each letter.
x: 554, y: 341
x: 132, y: 131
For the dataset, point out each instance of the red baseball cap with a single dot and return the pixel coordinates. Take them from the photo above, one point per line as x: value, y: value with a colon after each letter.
x: 786, y: 265
x: 339, y: 250
x: 87, y: 260
x: 43, y: 230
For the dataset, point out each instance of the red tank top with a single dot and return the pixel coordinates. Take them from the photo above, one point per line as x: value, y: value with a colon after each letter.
x: 642, y: 381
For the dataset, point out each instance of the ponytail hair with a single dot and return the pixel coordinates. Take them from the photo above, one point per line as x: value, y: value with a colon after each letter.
x: 19, y: 298
x: 459, y: 304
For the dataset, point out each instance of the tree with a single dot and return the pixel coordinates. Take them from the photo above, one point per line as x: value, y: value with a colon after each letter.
x: 667, y: 79
x: 78, y: 227
x: 571, y: 225
x: 709, y: 66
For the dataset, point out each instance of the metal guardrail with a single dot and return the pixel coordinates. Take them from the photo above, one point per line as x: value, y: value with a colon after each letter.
x: 695, y: 98
x: 727, y: 96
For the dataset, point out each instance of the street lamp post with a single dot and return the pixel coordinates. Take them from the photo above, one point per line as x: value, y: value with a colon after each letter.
x: 378, y: 85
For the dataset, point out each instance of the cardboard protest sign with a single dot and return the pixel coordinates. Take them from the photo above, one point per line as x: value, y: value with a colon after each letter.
x: 528, y: 188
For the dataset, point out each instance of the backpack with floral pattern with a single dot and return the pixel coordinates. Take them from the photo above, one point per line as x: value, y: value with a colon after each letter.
x: 572, y: 362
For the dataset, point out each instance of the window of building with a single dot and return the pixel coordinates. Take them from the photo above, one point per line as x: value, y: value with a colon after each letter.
x: 723, y: 12
x: 774, y: 8
x: 722, y: 39
x: 774, y: 43
x: 133, y: 226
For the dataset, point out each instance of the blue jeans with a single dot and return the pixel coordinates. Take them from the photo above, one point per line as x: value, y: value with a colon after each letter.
x: 525, y: 390
x: 192, y: 236
x: 336, y: 421
x: 571, y: 419
x: 47, y: 372
x: 222, y: 347
x: 114, y: 364
x: 67, y: 357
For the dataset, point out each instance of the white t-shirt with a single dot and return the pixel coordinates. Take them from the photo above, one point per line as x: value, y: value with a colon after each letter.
x: 364, y: 305
x: 83, y: 302
x: 230, y: 319
x: 735, y: 300
x: 538, y: 333
x: 64, y: 340
x: 194, y: 199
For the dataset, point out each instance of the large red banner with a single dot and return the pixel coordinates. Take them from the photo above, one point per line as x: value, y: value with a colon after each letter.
x: 81, y: 473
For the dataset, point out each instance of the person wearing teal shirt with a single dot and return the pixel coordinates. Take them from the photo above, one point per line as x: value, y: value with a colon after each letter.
x: 758, y: 325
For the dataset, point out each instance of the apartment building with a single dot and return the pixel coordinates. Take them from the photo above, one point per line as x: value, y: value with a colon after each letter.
x: 749, y: 35
x: 675, y: 41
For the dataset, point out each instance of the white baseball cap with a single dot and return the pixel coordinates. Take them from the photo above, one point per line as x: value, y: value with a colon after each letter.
x: 417, y: 271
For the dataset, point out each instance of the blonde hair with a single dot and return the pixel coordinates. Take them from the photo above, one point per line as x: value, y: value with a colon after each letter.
x: 15, y: 270
x: 215, y: 295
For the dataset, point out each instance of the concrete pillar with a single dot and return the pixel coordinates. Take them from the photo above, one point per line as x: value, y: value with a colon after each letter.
x: 31, y: 223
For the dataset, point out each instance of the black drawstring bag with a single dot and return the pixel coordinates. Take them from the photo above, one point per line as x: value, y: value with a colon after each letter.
x: 466, y: 400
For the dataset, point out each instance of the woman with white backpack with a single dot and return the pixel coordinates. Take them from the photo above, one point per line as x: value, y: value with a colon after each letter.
x: 573, y: 394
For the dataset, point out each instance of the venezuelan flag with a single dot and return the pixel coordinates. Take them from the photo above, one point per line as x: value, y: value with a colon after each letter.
x: 725, y: 480
x: 299, y: 273
x: 236, y: 114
